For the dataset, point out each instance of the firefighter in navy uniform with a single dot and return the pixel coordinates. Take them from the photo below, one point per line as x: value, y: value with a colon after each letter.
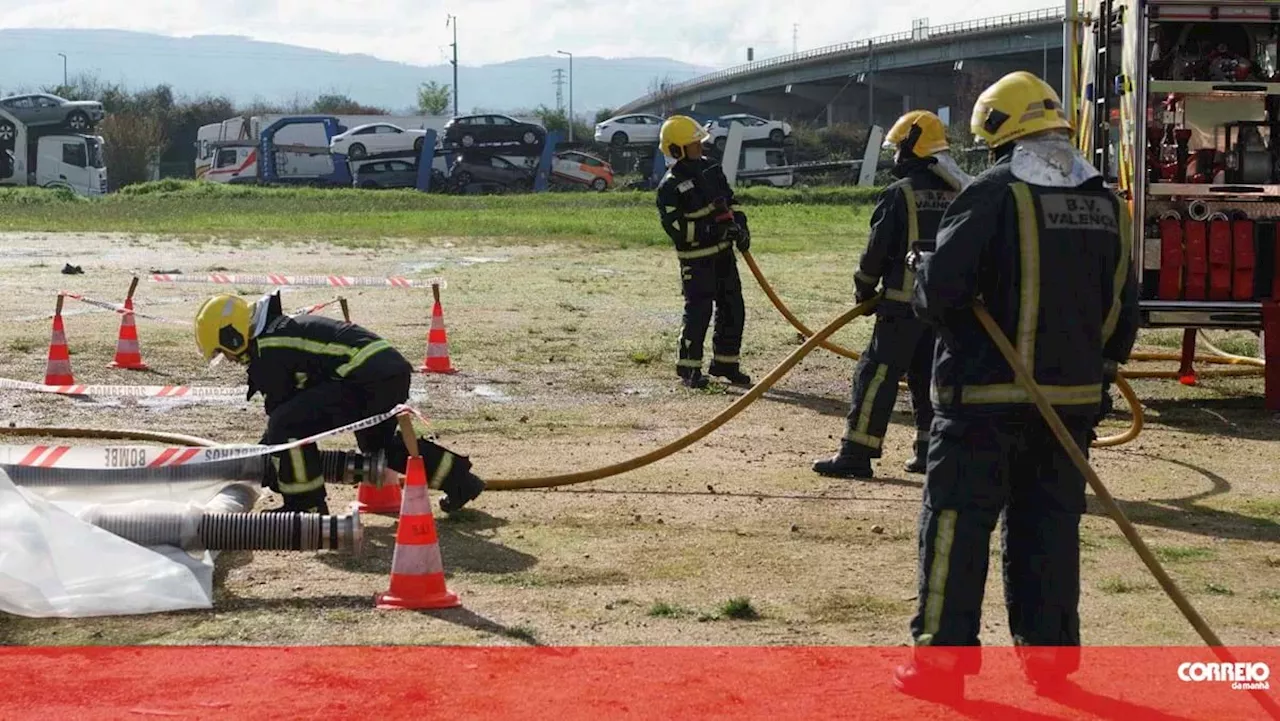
x: 698, y: 210
x: 906, y: 217
x: 1046, y: 248
x: 317, y: 374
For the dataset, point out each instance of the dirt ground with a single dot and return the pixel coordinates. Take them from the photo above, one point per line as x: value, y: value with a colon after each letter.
x: 566, y: 360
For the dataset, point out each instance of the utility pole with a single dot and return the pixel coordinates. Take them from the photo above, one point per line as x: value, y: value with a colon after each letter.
x: 559, y: 83
x: 795, y: 38
x: 453, y: 20
x: 570, y: 92
x: 64, y: 71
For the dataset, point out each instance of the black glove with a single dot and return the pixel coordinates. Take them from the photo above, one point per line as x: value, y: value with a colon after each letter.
x: 744, y: 242
x: 729, y: 232
x: 862, y: 291
x: 1110, y: 369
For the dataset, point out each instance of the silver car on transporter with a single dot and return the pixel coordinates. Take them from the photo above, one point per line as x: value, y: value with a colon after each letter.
x: 42, y: 109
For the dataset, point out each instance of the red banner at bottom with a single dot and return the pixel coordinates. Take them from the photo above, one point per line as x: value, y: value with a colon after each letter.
x: 570, y: 683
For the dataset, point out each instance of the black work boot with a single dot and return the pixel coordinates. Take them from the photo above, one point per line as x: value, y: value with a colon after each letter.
x: 850, y: 462
x: 461, y: 491
x: 918, y: 462
x: 924, y: 682
x: 693, y: 378
x: 730, y: 372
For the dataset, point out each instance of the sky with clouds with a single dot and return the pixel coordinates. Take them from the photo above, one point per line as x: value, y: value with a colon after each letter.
x: 708, y: 32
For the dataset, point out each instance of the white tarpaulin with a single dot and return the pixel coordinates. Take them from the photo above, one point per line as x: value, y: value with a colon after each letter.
x: 53, y: 564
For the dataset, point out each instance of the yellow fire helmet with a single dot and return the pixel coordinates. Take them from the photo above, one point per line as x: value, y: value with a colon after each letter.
x: 679, y: 132
x: 222, y: 326
x: 1017, y: 105
x: 919, y: 133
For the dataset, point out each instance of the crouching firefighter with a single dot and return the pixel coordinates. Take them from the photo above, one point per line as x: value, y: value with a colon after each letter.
x: 699, y: 213
x: 317, y: 374
x: 1045, y: 247
x: 905, y: 218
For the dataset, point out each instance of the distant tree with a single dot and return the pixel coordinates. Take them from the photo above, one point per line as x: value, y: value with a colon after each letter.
x: 604, y: 114
x: 334, y: 104
x: 972, y: 80
x: 434, y: 98
x: 552, y: 118
x: 133, y: 141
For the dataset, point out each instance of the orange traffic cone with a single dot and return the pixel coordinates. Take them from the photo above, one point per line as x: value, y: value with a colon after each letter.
x: 372, y: 498
x: 417, y: 571
x: 128, y: 354
x: 437, y: 360
x: 57, y: 371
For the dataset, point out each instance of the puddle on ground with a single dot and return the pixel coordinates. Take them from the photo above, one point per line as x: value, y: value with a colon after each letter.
x: 605, y: 271
x: 477, y: 260
x: 424, y: 265
x: 489, y: 392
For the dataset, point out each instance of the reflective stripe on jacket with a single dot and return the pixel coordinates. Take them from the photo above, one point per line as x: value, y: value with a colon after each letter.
x: 292, y: 354
x: 693, y: 198
x: 906, y: 217
x: 1053, y: 266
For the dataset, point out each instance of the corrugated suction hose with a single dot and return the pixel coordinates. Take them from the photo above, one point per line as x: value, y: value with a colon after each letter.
x: 197, y: 530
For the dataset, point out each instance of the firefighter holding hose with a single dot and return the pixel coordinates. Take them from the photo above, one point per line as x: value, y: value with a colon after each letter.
x: 698, y: 211
x: 317, y: 374
x: 1042, y: 243
x: 905, y: 218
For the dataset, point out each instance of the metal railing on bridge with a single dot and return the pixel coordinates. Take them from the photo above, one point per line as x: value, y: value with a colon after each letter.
x: 924, y: 34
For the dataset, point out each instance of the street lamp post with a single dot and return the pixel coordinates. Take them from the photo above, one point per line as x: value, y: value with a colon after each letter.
x: 570, y: 92
x: 64, y: 71
x: 453, y: 20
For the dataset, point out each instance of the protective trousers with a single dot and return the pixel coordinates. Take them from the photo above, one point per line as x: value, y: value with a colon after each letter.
x: 979, y: 468
x: 707, y: 282
x: 298, y: 475
x: 898, y: 346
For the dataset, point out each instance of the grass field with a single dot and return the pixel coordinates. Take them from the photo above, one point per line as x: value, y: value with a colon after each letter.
x: 353, y: 216
x: 562, y: 313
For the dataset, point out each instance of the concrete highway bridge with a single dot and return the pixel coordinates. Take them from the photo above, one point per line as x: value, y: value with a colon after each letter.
x: 876, y: 79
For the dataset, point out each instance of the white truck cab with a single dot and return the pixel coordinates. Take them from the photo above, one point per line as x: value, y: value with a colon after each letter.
x: 764, y: 166
x: 71, y: 161
x: 56, y: 160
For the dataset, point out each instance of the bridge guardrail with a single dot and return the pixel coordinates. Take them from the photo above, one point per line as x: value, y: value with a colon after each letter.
x: 1026, y: 17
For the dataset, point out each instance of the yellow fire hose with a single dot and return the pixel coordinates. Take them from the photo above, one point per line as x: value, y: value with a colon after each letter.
x: 1108, y: 502
x: 114, y: 434
x: 701, y: 431
x: 1135, y: 405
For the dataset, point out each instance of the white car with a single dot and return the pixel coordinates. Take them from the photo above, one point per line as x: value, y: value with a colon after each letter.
x: 375, y: 139
x: 753, y: 128
x: 638, y: 129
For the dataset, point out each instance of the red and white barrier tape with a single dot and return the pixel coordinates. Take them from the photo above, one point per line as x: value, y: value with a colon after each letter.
x: 126, y: 391
x: 119, y: 308
x: 132, y: 457
x: 144, y: 391
x: 336, y: 281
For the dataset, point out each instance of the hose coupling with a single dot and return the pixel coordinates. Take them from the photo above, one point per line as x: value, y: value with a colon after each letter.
x: 353, y: 467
